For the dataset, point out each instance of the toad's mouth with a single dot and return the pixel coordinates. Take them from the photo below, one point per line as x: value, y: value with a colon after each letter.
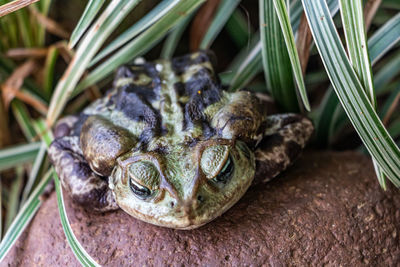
x: 185, y: 215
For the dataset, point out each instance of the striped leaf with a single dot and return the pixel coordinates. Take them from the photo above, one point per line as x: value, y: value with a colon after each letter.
x: 286, y: 28
x: 245, y: 59
x: 112, y: 16
x: 326, y: 125
x: 174, y: 37
x: 90, y: 12
x: 24, y: 216
x: 149, y: 19
x: 350, y: 90
x: 225, y: 10
x: 277, y: 67
x: 79, y: 252
x: 384, y: 38
x: 354, y: 29
x: 17, y: 155
x: 139, y: 45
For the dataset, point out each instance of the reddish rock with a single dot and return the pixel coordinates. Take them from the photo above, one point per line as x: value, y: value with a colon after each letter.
x: 327, y: 209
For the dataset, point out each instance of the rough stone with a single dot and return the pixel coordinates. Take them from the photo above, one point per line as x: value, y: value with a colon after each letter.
x: 327, y: 209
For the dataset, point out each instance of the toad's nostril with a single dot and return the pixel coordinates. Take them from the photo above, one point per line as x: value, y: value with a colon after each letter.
x: 200, y: 198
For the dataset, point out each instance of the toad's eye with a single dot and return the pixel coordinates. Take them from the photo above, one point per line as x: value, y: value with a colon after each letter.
x: 217, y: 164
x: 144, y: 179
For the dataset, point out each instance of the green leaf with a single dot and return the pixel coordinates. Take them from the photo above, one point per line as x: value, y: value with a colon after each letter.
x: 174, y: 37
x: 225, y: 10
x: 112, y: 16
x: 33, y: 175
x: 382, y: 79
x: 377, y: 49
x: 90, y: 12
x: 380, y: 175
x: 239, y: 28
x: 48, y: 73
x: 237, y: 62
x: 249, y: 63
x: 24, y: 27
x: 24, y: 216
x: 23, y: 118
x: 353, y: 22
x: 17, y: 155
x: 390, y: 100
x: 141, y: 44
x: 296, y: 11
x: 354, y: 29
x: 387, y: 73
x: 44, y: 6
x: 384, y: 38
x: 245, y: 72
x: 276, y: 62
x: 286, y: 28
x: 149, y: 19
x: 394, y: 128
x: 45, y: 133
x: 80, y: 253
x: 14, y: 196
x: 350, y: 90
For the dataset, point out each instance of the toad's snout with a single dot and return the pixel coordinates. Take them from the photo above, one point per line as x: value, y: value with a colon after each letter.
x: 191, y: 213
x: 190, y: 208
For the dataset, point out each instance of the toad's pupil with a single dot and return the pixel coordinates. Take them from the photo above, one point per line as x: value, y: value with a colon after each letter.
x: 226, y: 172
x: 140, y: 191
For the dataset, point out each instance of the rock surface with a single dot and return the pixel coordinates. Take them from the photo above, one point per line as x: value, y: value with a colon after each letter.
x: 327, y: 209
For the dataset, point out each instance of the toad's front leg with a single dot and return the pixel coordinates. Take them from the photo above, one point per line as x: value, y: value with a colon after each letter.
x: 283, y: 140
x: 81, y: 183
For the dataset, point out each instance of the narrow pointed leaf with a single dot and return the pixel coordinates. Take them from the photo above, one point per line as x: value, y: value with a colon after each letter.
x: 350, y: 90
x: 249, y: 68
x: 140, y: 44
x: 149, y: 19
x: 251, y: 65
x: 48, y: 73
x: 239, y: 28
x: 276, y: 62
x: 286, y: 28
x: 112, y: 16
x: 80, y: 253
x: 225, y: 10
x: 387, y: 73
x: 23, y: 118
x: 174, y: 37
x: 24, y: 216
x: 14, y: 196
x: 90, y: 12
x: 33, y: 175
x: 390, y: 33
x: 17, y: 155
x: 384, y: 38
x: 354, y: 29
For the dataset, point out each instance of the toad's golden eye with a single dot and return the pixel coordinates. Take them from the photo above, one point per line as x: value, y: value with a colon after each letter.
x: 217, y: 164
x: 144, y: 179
